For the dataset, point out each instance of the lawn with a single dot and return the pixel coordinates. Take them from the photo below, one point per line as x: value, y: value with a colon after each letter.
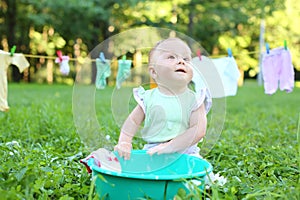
x: 40, y: 148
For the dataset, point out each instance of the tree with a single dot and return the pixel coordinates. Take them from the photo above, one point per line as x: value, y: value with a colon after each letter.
x: 216, y: 25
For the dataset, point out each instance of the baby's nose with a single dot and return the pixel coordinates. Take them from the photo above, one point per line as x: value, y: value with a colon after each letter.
x: 181, y: 61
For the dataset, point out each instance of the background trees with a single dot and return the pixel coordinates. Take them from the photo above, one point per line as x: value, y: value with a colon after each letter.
x: 76, y: 27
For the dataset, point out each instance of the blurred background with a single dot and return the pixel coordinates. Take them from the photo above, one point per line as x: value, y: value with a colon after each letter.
x: 38, y: 28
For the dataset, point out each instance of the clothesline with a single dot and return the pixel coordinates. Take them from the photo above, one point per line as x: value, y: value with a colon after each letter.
x: 53, y: 57
x: 103, y: 71
x: 49, y: 57
x: 76, y: 59
x: 241, y: 54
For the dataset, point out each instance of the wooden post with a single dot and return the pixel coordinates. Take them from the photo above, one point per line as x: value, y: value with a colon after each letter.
x: 50, y: 71
x: 137, y: 63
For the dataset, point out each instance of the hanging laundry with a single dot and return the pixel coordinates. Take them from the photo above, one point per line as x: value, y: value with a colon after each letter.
x: 124, y: 67
x: 229, y: 74
x: 221, y: 75
x: 63, y: 64
x: 18, y: 60
x: 277, y: 69
x: 198, y: 79
x: 205, y: 76
x: 103, y: 71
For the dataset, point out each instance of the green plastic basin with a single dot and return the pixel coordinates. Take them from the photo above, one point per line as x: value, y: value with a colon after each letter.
x: 150, y: 177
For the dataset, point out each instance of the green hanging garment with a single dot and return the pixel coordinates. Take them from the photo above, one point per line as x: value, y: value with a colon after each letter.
x: 103, y: 71
x: 124, y: 67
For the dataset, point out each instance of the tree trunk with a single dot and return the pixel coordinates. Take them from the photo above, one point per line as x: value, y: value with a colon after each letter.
x: 11, y: 21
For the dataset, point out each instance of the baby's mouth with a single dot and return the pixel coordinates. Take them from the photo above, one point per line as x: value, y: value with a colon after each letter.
x: 180, y: 70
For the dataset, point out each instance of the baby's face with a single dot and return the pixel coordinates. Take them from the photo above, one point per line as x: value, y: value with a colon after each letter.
x: 172, y: 63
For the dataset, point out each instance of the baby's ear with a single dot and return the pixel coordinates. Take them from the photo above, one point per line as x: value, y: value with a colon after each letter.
x: 152, y: 72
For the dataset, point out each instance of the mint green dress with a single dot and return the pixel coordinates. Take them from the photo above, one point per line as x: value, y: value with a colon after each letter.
x: 168, y: 116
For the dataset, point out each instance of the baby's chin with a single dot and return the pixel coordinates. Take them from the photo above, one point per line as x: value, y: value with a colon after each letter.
x: 176, y: 84
x: 183, y: 78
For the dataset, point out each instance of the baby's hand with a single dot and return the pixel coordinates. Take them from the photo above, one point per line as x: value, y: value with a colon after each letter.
x: 161, y: 149
x: 124, y: 149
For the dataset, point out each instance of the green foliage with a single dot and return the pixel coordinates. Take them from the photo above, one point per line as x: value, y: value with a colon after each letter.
x: 216, y: 25
x: 257, y: 151
x: 46, y: 42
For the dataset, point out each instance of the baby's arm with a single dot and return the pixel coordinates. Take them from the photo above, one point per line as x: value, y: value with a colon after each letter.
x: 191, y: 136
x: 128, y: 130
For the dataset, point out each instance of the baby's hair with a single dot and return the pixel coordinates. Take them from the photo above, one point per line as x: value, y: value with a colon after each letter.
x: 160, y: 42
x: 153, y: 49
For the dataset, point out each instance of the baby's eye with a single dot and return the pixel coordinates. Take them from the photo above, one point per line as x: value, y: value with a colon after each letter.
x: 187, y: 59
x: 171, y: 57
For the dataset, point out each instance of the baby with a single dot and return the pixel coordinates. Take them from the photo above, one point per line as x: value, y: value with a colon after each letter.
x: 174, y: 116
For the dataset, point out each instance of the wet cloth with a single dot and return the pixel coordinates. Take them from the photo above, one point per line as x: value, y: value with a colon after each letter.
x: 124, y: 67
x: 168, y: 116
x: 18, y: 60
x: 104, y: 159
x: 229, y: 74
x: 103, y: 71
x: 63, y: 65
x: 277, y: 69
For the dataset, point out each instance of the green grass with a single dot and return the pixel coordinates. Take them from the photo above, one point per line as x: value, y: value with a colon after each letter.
x: 258, y: 150
x: 258, y: 147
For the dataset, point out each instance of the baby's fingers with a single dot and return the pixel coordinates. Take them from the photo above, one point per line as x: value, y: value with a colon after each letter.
x: 158, y: 149
x: 125, y: 153
x: 161, y: 149
x: 151, y: 151
x: 124, y: 150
